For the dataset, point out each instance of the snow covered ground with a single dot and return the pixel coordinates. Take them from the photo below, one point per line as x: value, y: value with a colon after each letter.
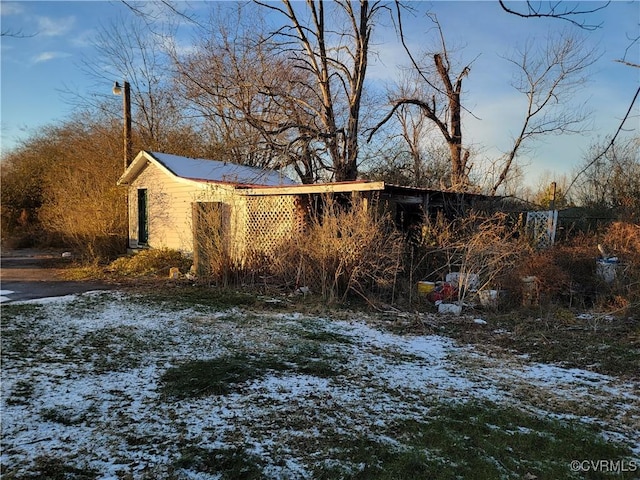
x: 82, y: 382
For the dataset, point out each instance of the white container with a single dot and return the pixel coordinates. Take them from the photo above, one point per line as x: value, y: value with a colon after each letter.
x: 451, y: 308
x: 488, y: 298
x: 606, y: 269
x: 469, y: 281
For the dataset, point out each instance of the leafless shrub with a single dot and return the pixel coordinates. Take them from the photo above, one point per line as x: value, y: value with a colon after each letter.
x: 481, y: 248
x: 567, y: 272
x: 622, y: 239
x: 213, y: 256
x: 551, y: 280
x: 346, y: 249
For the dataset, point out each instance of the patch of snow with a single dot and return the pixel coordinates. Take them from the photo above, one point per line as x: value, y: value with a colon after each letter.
x: 88, y: 403
x: 3, y: 295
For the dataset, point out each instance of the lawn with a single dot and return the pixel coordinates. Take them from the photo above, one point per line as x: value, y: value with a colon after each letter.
x: 136, y: 386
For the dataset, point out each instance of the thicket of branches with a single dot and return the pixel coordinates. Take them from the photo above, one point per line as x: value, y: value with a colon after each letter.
x: 293, y: 93
x: 60, y: 187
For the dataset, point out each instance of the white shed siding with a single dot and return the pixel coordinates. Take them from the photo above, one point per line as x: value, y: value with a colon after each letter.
x: 169, y: 207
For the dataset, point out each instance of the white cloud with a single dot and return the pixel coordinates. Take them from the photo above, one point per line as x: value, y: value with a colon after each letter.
x: 47, y: 56
x: 54, y: 27
x: 10, y: 8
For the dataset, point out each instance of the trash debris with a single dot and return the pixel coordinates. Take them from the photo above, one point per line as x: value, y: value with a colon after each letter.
x: 479, y: 321
x: 488, y: 298
x: 450, y: 308
x: 425, y: 288
x: 468, y: 281
x: 530, y: 292
x: 606, y: 268
x: 192, y: 274
x: 443, y: 291
x: 304, y: 291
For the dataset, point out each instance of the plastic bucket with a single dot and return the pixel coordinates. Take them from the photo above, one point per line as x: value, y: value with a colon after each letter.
x: 425, y: 288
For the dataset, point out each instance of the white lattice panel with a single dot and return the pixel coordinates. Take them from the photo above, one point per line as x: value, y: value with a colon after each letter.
x: 542, y: 227
x: 272, y: 221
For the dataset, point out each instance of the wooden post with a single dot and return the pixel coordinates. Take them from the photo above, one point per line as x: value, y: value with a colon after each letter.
x: 126, y: 106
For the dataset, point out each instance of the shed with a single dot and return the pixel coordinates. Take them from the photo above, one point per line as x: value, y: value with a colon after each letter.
x: 165, y: 190
x: 173, y: 199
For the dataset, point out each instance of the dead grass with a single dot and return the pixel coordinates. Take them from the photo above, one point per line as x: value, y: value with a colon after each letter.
x: 345, y: 251
x: 252, y: 418
x: 155, y: 262
x: 605, y: 344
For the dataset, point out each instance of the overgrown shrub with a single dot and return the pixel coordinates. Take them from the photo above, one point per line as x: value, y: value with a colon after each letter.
x: 216, y: 262
x: 550, y: 279
x: 567, y: 272
x: 345, y: 249
x: 152, y: 262
x: 482, y: 248
x: 622, y: 239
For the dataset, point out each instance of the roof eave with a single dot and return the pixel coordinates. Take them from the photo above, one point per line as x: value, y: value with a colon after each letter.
x: 303, y: 189
x: 136, y: 166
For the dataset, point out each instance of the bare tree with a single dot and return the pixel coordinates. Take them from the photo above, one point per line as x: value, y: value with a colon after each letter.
x: 613, y: 180
x: 572, y: 13
x: 137, y: 56
x: 412, y: 129
x: 245, y: 90
x: 336, y: 59
x: 128, y: 51
x: 16, y: 34
x: 549, y: 79
x: 633, y: 43
x: 444, y: 108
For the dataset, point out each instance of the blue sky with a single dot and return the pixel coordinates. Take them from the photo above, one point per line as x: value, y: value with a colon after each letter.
x: 36, y: 69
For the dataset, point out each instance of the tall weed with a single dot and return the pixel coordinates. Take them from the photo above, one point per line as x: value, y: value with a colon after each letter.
x: 481, y: 248
x: 346, y: 250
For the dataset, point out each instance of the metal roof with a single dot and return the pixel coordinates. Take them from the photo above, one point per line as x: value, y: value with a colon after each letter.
x: 203, y: 170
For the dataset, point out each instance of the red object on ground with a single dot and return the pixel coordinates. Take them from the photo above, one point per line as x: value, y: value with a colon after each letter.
x: 445, y: 291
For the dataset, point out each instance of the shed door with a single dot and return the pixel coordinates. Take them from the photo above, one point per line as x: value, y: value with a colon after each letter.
x: 210, y: 237
x: 143, y: 217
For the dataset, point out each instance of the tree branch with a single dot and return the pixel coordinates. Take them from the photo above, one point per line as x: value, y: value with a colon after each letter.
x: 611, y: 143
x: 566, y: 14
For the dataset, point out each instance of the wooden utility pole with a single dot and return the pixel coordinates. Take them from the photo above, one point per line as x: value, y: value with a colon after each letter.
x: 126, y: 104
x: 125, y: 91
